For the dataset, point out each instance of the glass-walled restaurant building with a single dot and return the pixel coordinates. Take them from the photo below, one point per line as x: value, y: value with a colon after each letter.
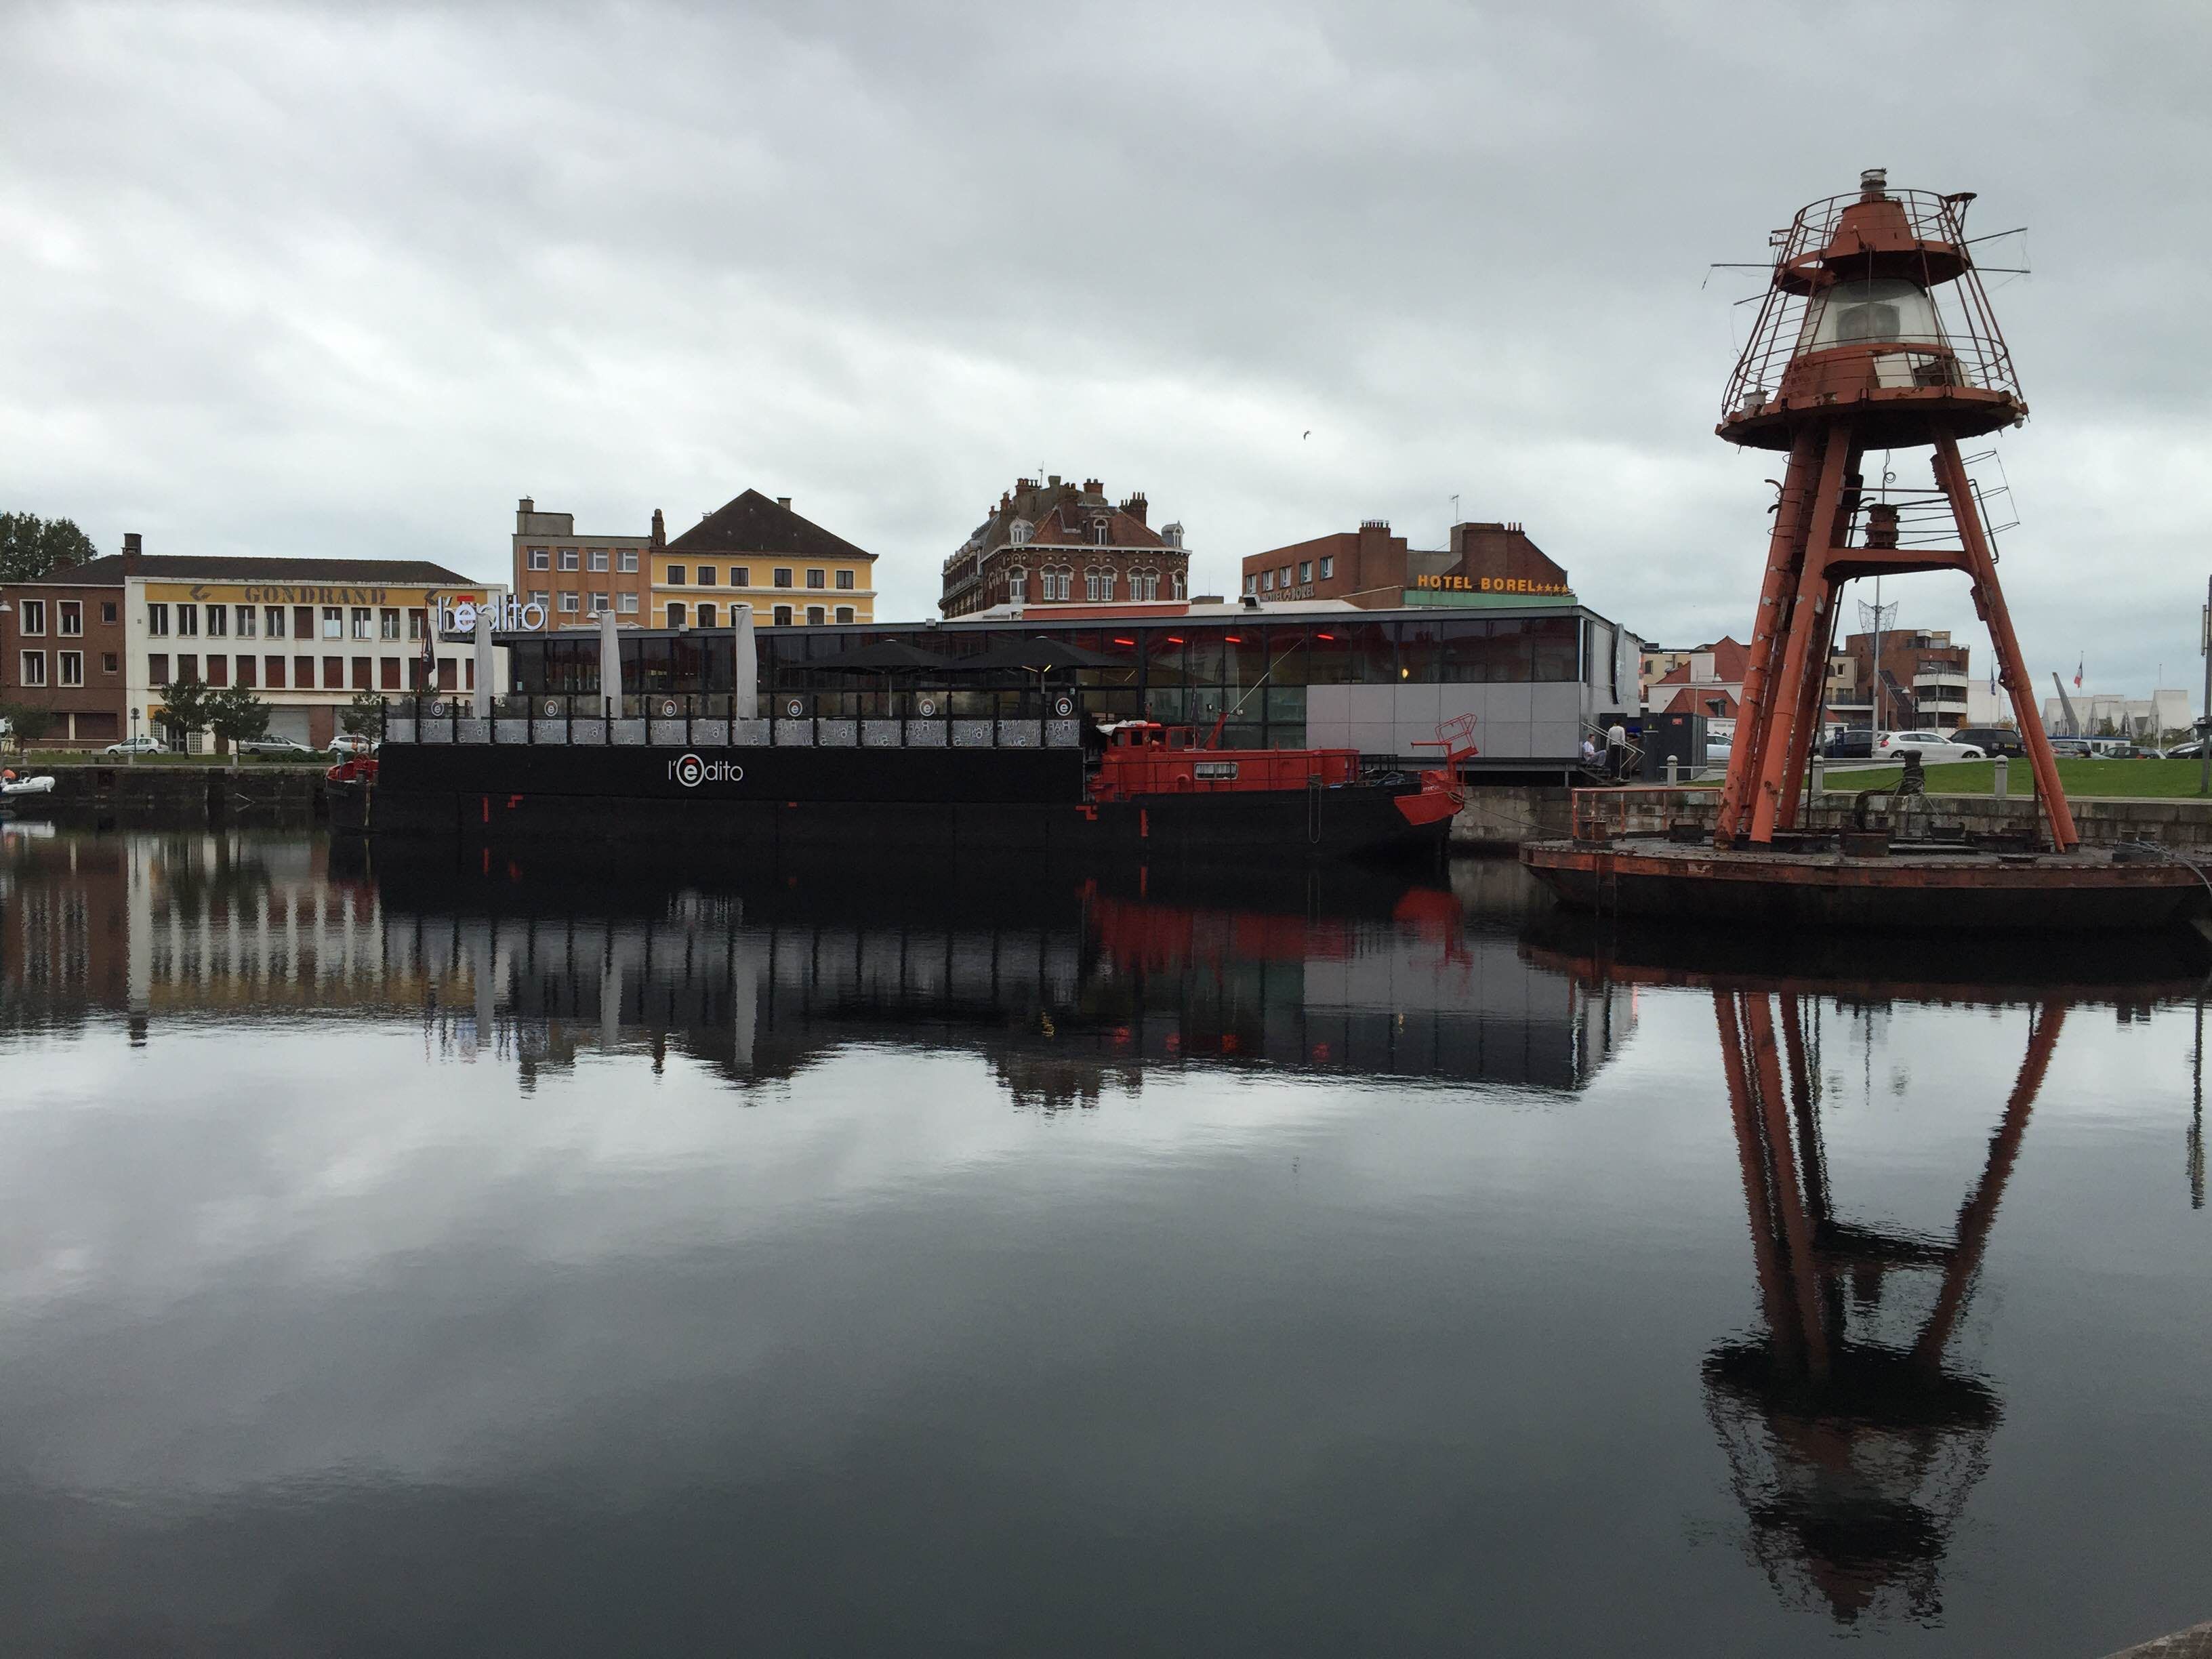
x: 1330, y: 676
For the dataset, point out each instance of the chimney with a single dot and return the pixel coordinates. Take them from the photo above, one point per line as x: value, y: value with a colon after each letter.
x: 1092, y: 487
x: 130, y: 552
x: 1053, y: 481
x: 1136, y: 507
x: 784, y: 502
x: 526, y: 505
x: 659, y: 529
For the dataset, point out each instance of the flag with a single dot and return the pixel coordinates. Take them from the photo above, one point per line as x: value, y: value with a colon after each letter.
x: 2077, y: 672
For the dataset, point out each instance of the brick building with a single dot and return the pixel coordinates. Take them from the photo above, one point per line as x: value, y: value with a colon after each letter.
x: 62, y: 649
x: 1483, y: 565
x: 749, y: 551
x: 1054, y: 544
x: 1924, y: 681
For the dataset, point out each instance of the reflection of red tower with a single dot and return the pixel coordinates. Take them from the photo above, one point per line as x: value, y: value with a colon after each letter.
x: 1875, y: 334
x: 1852, y: 1456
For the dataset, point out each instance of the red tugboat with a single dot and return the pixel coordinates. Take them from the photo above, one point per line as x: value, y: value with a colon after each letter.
x: 1876, y: 338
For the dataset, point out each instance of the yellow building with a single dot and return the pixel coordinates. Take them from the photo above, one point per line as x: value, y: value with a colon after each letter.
x: 757, y: 551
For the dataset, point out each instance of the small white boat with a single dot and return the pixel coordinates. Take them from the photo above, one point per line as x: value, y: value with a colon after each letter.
x: 38, y: 786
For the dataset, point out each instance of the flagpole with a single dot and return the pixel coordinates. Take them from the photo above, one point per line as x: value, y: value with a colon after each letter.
x: 2205, y: 717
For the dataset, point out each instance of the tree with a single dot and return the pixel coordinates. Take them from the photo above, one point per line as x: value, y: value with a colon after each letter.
x: 237, y: 715
x: 186, y: 708
x: 365, y: 718
x: 26, y: 722
x: 30, y: 546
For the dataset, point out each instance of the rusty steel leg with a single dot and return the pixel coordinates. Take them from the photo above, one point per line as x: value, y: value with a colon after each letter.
x: 1785, y: 553
x: 1951, y: 479
x: 1758, y: 1177
x: 1788, y: 1196
x: 1811, y: 700
x: 1780, y: 719
x: 1980, y: 1212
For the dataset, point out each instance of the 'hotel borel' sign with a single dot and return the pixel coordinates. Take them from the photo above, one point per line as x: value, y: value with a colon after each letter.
x: 1491, y: 585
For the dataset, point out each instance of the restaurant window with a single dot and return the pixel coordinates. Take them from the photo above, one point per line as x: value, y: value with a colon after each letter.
x: 741, y: 575
x: 844, y: 581
x: 34, y: 619
x: 157, y: 620
x: 596, y: 559
x: 541, y: 558
x: 188, y: 619
x: 626, y: 561
x: 248, y: 672
x: 1556, y: 653
x: 568, y: 559
x: 110, y: 662
x: 814, y: 616
x: 818, y: 579
x: 364, y: 621
x: 1351, y: 653
x: 218, y: 621
x: 782, y: 576
x: 706, y: 575
x: 68, y: 618
x: 706, y: 616
x: 333, y: 622
x: 676, y: 615
x: 844, y: 613
x: 470, y: 664
x: 69, y: 667
x: 218, y: 672
x: 570, y: 605
x: 34, y: 668
x: 626, y: 604
x: 388, y: 673
x: 676, y: 575
x: 783, y: 616
x: 107, y: 612
x: 157, y: 668
x: 272, y: 673
x: 361, y: 674
x: 249, y: 622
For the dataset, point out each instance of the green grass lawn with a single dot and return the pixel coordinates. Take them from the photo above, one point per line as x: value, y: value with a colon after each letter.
x: 2086, y: 779
x: 45, y: 760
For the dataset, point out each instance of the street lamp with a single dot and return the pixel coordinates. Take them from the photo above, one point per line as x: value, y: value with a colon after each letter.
x: 130, y: 755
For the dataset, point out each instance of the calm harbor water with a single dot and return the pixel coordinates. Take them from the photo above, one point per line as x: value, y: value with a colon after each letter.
x: 584, y: 1259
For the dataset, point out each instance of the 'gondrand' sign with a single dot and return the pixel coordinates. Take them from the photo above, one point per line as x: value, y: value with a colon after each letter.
x: 509, y: 615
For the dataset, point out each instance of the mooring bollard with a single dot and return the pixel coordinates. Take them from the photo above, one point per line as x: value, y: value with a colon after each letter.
x: 1819, y: 777
x: 1674, y: 770
x: 1997, y: 789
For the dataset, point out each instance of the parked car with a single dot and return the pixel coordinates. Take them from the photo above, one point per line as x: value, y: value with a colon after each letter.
x: 1933, y: 746
x: 2193, y: 750
x: 349, y: 743
x: 1852, y: 743
x: 2071, y: 748
x: 139, y: 745
x: 287, y: 748
x: 2120, y: 749
x: 1991, y: 739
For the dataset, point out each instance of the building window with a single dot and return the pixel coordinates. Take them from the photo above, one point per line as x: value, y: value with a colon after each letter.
x: 626, y: 561
x: 1306, y: 571
x: 706, y: 616
x: 782, y: 576
x: 157, y: 620
x: 218, y: 621
x: 249, y: 620
x: 541, y: 558
x: 1018, y: 532
x: 303, y: 621
x: 599, y: 602
x: 1251, y: 584
x: 741, y: 575
x: 218, y: 670
x: 844, y: 613
x: 188, y: 666
x: 676, y: 575
x: 818, y: 579
x: 247, y: 677
x: 272, y: 673
x: 706, y: 575
x: 1098, y: 533
x: 387, y: 669
x: 387, y: 623
x: 273, y: 621
x: 1017, y: 584
x: 1059, y: 583
x: 1178, y: 584
x: 71, y: 667
x: 783, y: 616
x: 814, y: 616
x: 569, y: 558
x: 34, y: 668
x: 596, y: 559
x: 1144, y: 583
x: 333, y: 622
x: 35, y: 618
x: 188, y: 619
x: 570, y: 604
x: 107, y: 612
x: 1283, y: 577
x: 361, y: 674
x: 676, y: 615
x: 110, y: 662
x: 68, y: 619
x: 364, y: 621
x: 333, y: 673
x: 626, y: 604
x: 303, y: 673
x: 844, y: 581
x: 1266, y: 582
x: 1328, y: 566
x: 157, y: 668
x: 418, y: 624
x: 540, y: 597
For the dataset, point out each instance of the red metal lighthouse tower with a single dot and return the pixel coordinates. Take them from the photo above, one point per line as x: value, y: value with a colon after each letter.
x: 1875, y: 335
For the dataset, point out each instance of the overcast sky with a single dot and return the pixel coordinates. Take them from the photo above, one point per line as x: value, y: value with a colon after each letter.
x: 345, y: 280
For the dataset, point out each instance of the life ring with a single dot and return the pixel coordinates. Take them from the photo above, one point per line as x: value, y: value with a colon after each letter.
x: 552, y: 708
x: 794, y: 709
x: 668, y: 706
x: 438, y: 709
x: 927, y: 707
x: 1064, y: 707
